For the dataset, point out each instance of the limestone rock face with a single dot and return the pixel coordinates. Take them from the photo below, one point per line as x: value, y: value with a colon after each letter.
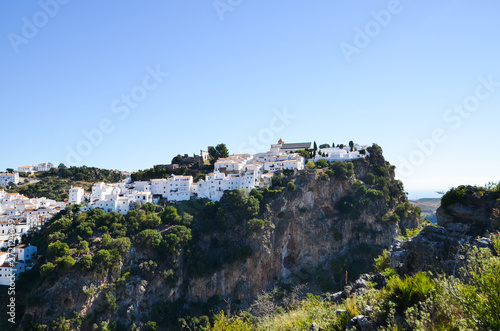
x: 309, y: 232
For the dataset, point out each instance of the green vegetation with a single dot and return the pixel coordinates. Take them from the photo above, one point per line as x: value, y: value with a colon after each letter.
x: 54, y: 184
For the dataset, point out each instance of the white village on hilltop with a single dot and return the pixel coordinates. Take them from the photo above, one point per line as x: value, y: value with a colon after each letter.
x: 238, y: 171
x: 19, y: 215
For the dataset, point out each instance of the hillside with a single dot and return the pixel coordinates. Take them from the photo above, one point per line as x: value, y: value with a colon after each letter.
x: 54, y: 184
x: 320, y: 227
x: 428, y: 206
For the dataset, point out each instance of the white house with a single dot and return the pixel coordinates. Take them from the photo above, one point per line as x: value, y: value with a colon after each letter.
x: 159, y: 187
x: 11, y: 265
x: 76, y: 195
x: 25, y: 253
x: 340, y: 154
x: 26, y: 170
x: 178, y: 188
x: 215, y: 184
x: 6, y: 178
x: 142, y: 186
x: 46, y: 166
x: 100, y: 190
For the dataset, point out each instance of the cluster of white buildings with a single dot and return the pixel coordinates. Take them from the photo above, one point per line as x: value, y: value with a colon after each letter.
x: 46, y: 166
x: 13, y: 177
x: 117, y: 197
x: 19, y: 215
x: 238, y: 171
x: 15, y: 260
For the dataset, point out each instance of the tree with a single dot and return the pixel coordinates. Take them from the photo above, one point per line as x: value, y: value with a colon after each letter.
x: 10, y: 170
x: 370, y: 179
x: 351, y: 144
x: 149, y: 238
x: 310, y: 165
x: 305, y: 154
x: 85, y: 262
x: 57, y: 249
x: 255, y: 224
x: 324, y: 146
x: 222, y: 150
x: 290, y: 186
x: 322, y: 163
x: 64, y: 264
x: 217, y: 152
x: 46, y: 269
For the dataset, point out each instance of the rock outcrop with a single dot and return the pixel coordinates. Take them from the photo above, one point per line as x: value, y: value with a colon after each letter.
x: 467, y: 217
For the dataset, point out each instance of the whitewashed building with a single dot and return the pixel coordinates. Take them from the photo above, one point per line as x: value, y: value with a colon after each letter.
x: 27, y: 170
x: 6, y: 178
x: 100, y: 191
x: 46, y: 166
x: 216, y: 183
x: 76, y: 195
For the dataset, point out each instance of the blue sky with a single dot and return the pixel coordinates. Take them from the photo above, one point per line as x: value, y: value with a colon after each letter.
x: 247, y: 73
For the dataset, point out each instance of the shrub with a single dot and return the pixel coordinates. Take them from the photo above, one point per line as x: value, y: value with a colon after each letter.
x: 342, y: 170
x: 310, y: 165
x: 255, y: 224
x: 322, y: 163
x: 290, y: 186
x: 64, y: 264
x: 382, y: 262
x: 370, y: 179
x: 85, y: 262
x: 480, y: 297
x: 454, y: 195
x: 410, y: 290
x: 57, y: 249
x: 46, y: 269
x: 149, y: 238
x: 178, y: 238
x: 394, y: 218
x: 228, y: 323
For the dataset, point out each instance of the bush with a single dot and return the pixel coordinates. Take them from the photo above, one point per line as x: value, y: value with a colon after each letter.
x: 310, y: 165
x: 290, y: 186
x: 64, y: 264
x: 370, y: 179
x: 149, y: 238
x: 480, y: 298
x: 57, y: 249
x: 454, y: 195
x: 342, y: 170
x: 255, y: 224
x: 85, y: 262
x: 410, y: 290
x: 322, y: 163
x: 382, y: 262
x: 46, y: 269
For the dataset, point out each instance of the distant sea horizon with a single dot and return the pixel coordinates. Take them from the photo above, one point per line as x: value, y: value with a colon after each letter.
x: 420, y: 194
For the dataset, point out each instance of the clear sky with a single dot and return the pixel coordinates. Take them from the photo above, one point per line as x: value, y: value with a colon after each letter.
x: 128, y: 84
